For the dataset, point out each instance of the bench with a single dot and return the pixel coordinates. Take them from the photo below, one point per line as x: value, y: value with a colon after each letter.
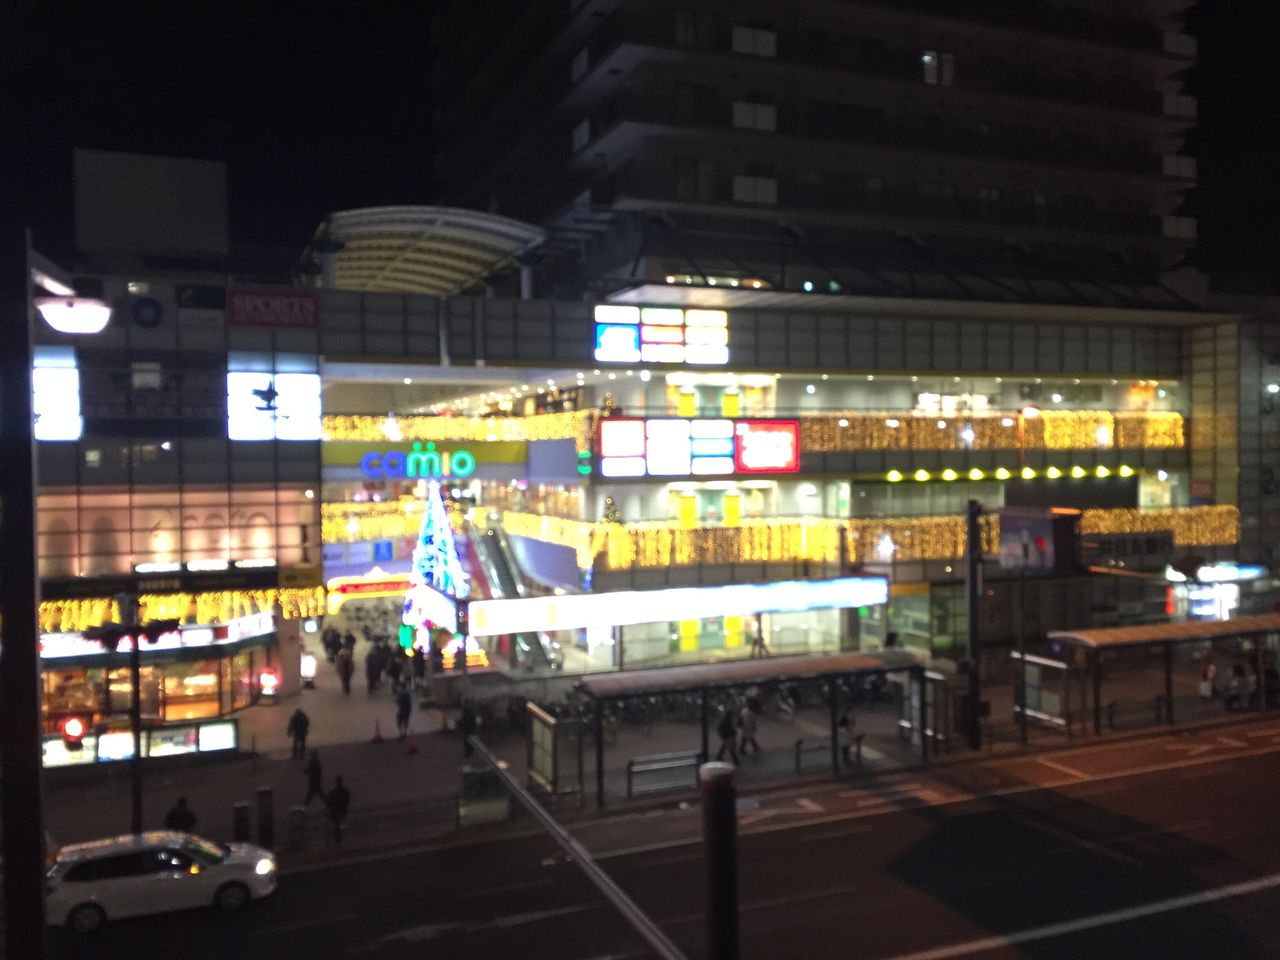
x: 822, y: 745
x: 673, y: 771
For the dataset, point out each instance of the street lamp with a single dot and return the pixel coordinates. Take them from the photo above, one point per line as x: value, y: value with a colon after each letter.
x: 22, y: 272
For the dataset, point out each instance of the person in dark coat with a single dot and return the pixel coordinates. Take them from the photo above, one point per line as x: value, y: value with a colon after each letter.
x: 372, y: 669
x: 315, y: 781
x: 728, y: 737
x: 419, y: 668
x: 299, y: 724
x: 338, y: 803
x: 404, y: 706
x: 180, y: 817
x: 346, y: 667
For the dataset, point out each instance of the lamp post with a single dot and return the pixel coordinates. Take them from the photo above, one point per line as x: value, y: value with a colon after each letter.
x: 20, y: 734
x: 110, y: 636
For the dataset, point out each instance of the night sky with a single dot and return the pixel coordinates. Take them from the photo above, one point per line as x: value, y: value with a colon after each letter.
x: 327, y: 106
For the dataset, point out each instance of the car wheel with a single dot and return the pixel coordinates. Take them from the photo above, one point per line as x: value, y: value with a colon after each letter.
x: 86, y: 918
x: 231, y: 896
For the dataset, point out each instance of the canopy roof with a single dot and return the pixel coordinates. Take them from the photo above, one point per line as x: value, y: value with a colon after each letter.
x: 742, y: 673
x: 1169, y: 632
x: 434, y: 250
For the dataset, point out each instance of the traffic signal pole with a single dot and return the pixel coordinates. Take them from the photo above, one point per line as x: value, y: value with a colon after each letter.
x: 973, y: 594
x: 20, y: 733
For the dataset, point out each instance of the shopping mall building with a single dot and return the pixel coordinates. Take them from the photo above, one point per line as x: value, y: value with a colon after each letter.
x: 250, y: 459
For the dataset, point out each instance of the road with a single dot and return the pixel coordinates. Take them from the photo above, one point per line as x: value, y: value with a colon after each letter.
x: 1065, y: 855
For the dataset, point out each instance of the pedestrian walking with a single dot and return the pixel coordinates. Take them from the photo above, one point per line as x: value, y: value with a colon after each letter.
x: 419, y: 668
x: 1235, y: 690
x: 346, y: 667
x: 728, y: 737
x: 315, y: 781
x: 299, y: 724
x: 747, y: 729
x: 338, y: 803
x: 404, y: 706
x: 1208, y: 689
x: 180, y: 817
x: 758, y: 648
x: 395, y: 667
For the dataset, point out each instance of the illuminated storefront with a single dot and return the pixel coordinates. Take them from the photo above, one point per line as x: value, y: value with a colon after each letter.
x: 193, y: 673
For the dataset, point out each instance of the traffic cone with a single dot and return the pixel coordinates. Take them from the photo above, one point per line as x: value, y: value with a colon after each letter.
x: 377, y: 732
x: 413, y: 746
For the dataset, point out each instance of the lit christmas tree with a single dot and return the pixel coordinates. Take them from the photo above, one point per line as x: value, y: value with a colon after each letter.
x: 436, y: 564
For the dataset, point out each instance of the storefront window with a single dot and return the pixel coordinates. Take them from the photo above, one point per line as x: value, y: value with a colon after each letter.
x: 119, y: 692
x: 191, y: 690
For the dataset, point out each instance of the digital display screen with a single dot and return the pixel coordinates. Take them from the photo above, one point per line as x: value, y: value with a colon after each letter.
x: 668, y: 335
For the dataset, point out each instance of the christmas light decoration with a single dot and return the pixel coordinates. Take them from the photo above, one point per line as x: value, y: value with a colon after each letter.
x: 854, y: 431
x: 292, y: 603
x: 578, y: 425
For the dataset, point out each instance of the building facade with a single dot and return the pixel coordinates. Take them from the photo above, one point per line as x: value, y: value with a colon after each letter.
x: 232, y: 451
x: 999, y: 151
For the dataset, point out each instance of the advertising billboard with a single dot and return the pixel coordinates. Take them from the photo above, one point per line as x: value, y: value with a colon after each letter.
x: 679, y: 447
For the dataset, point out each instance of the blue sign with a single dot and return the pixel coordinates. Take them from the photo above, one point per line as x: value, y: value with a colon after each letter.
x: 383, y: 550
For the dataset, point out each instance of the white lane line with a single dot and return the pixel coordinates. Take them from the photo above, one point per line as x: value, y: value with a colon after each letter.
x: 1062, y: 768
x: 1110, y: 918
x: 301, y: 925
x: 509, y: 888
x: 1082, y: 793
x: 834, y: 834
x: 810, y: 805
x: 885, y: 791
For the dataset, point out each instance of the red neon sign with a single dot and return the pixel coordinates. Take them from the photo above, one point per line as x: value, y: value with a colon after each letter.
x: 766, y: 446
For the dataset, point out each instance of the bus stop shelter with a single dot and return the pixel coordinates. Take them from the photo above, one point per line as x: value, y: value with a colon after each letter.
x: 1094, y: 643
x: 705, y: 680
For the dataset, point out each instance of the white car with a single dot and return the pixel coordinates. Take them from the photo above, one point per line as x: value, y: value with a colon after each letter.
x: 139, y: 874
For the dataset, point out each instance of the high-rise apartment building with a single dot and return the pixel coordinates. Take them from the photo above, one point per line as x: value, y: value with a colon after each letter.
x: 1002, y: 150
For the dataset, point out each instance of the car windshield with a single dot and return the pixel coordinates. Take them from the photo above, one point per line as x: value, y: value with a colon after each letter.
x: 206, y: 851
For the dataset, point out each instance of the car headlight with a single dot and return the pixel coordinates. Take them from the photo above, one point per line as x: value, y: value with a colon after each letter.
x: 264, y: 866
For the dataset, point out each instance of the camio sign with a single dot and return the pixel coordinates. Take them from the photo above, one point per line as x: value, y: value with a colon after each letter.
x: 426, y: 463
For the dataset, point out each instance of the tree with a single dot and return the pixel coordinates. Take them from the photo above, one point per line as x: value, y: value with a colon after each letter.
x: 436, y: 564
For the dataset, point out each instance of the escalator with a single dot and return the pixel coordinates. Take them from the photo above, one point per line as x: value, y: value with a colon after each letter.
x: 525, y: 652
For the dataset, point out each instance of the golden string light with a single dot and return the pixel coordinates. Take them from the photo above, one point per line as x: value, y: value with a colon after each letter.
x: 1051, y: 430
x: 74, y: 616
x: 653, y: 544
x: 578, y: 425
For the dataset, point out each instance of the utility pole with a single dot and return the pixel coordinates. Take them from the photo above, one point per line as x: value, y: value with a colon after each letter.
x: 973, y: 593
x: 21, y: 748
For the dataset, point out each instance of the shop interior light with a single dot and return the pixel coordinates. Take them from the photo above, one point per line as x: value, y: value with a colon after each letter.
x: 74, y: 315
x: 1162, y: 475
x: 1002, y: 473
x: 1007, y: 421
x: 1273, y: 388
x: 1053, y: 473
x: 894, y: 476
x: 1077, y: 471
x: 1103, y: 471
x: 976, y: 474
x: 949, y: 474
x: 922, y: 475
x: 1028, y: 473
x: 1030, y: 411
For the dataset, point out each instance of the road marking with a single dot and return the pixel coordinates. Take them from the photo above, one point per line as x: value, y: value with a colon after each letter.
x: 1201, y: 774
x: 834, y: 834
x: 885, y: 791
x: 1083, y: 792
x: 301, y: 925
x: 810, y: 806
x: 509, y: 888
x: 1172, y: 904
x: 1062, y: 768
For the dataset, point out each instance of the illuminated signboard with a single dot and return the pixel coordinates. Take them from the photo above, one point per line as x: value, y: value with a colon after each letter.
x: 427, y: 462
x: 661, y: 335
x: 490, y: 618
x: 697, y: 448
x: 766, y: 446
x: 54, y: 646
x: 267, y: 406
